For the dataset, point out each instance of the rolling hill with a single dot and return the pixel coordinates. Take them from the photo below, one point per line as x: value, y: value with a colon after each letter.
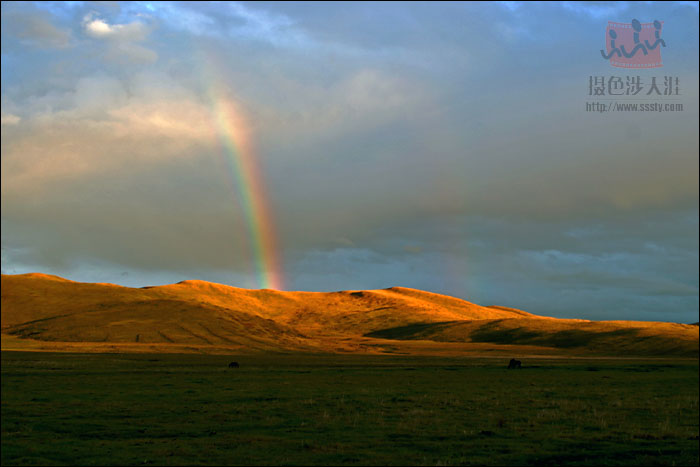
x: 45, y: 312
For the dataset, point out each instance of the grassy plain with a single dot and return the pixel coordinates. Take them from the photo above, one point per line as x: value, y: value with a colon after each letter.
x: 287, y: 409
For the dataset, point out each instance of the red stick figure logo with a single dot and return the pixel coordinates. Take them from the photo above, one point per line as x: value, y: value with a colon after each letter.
x: 634, y: 45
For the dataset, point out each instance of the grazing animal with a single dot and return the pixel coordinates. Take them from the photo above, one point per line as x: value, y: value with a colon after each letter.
x: 514, y: 364
x: 233, y: 365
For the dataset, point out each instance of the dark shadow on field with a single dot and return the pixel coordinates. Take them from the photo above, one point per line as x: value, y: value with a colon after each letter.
x: 412, y: 331
x: 493, y: 333
x: 511, y: 332
x: 563, y: 339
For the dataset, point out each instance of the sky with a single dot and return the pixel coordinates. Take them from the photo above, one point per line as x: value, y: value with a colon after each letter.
x: 343, y: 146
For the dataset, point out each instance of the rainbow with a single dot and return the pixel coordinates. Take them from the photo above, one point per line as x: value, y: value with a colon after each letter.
x: 240, y: 157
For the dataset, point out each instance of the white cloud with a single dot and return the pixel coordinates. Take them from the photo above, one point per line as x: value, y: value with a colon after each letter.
x: 260, y: 25
x: 596, y: 10
x: 178, y: 16
x: 99, y: 127
x: 99, y: 28
x: 122, y: 39
x: 511, y: 6
x: 10, y: 119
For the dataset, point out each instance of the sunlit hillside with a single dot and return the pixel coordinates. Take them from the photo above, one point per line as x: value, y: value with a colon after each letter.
x: 203, y: 316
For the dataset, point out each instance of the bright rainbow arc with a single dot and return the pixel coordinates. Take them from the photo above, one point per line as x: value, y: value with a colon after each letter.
x: 241, y: 161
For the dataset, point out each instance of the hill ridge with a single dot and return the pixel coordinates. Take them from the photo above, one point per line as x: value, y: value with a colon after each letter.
x: 205, y: 315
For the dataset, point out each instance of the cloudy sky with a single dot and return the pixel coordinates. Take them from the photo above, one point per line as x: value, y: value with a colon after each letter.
x: 445, y: 147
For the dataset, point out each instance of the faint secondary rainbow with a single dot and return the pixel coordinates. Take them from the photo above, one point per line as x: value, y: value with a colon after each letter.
x: 241, y: 160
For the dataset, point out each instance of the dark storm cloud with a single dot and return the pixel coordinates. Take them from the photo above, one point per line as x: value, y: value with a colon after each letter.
x: 34, y: 28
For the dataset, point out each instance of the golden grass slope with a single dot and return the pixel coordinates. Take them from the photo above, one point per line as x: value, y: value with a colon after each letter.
x: 42, y: 307
x: 203, y: 315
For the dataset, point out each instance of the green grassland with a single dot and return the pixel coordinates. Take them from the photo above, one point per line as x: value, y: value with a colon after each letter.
x: 164, y: 409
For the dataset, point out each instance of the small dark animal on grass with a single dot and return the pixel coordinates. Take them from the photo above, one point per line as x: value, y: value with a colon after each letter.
x: 233, y: 365
x: 514, y: 364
